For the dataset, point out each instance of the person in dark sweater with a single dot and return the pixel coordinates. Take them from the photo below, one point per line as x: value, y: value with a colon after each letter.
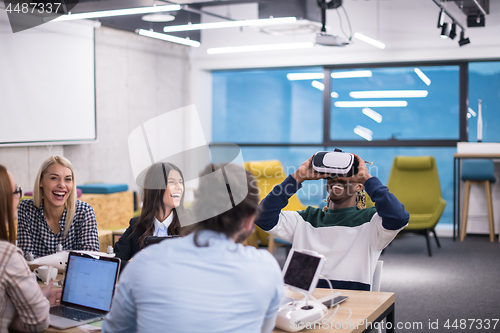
x: 350, y: 236
x: 163, y: 196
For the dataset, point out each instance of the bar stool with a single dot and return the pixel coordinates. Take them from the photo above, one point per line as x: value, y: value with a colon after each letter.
x: 478, y: 172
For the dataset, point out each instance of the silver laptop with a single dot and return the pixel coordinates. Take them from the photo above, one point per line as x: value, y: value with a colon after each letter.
x: 89, y: 285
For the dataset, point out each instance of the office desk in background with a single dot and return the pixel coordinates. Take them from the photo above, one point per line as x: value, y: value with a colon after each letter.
x: 457, y: 181
x: 367, y: 307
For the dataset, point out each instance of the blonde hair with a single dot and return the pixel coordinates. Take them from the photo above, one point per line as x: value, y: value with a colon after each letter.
x: 70, y: 204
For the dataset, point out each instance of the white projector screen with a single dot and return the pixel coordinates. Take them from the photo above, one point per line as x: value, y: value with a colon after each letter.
x: 47, y: 84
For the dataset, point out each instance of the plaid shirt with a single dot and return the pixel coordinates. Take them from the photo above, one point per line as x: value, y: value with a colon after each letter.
x: 34, y: 234
x: 19, y: 293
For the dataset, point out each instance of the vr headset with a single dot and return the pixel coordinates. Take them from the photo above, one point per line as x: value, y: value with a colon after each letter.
x: 336, y: 163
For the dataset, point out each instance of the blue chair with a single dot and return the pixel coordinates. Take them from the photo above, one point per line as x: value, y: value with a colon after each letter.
x: 482, y: 172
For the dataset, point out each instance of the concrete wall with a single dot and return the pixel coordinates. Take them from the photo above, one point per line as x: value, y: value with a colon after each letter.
x: 137, y: 78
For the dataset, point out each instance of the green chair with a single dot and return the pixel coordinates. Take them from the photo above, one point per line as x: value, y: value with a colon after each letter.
x: 415, y: 182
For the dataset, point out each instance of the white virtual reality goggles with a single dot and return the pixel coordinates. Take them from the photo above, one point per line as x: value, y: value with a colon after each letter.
x: 336, y: 163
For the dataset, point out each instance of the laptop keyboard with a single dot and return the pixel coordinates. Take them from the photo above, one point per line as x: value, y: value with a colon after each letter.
x: 70, y: 313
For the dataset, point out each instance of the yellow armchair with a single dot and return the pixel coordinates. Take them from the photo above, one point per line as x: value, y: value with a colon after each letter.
x: 267, y: 175
x: 415, y: 182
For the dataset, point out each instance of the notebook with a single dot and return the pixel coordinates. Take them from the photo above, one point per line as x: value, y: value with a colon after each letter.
x: 89, y: 285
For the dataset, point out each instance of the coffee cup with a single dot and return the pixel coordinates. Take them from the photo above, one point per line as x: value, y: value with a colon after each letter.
x: 45, y: 273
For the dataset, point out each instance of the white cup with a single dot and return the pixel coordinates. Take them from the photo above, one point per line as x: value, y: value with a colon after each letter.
x: 45, y: 273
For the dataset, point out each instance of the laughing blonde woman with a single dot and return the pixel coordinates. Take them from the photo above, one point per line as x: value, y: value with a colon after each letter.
x: 54, y: 215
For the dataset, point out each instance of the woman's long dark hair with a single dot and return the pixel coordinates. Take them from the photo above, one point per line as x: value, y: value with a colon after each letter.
x: 155, y: 183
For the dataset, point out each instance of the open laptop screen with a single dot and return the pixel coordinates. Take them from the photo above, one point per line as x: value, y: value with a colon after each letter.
x: 90, y: 282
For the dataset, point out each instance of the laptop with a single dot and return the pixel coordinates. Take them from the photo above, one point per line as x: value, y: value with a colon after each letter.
x: 89, y: 285
x: 150, y: 240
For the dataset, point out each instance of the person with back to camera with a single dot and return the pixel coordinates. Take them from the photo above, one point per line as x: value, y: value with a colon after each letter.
x: 54, y: 215
x: 350, y: 236
x: 206, y: 281
x: 159, y: 215
x: 24, y: 306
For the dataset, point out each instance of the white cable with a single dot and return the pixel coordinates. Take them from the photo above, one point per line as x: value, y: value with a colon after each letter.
x: 331, y: 287
x: 334, y: 314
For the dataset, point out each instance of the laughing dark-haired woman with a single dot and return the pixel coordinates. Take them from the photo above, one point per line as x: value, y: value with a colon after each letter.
x: 163, y: 195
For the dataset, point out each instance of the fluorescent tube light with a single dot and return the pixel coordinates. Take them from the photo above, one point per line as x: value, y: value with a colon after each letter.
x: 370, y: 104
x: 318, y: 85
x: 169, y: 38
x: 389, y: 94
x: 334, y: 94
x: 364, y: 132
x: 229, y: 24
x: 472, y: 112
x: 117, y: 12
x: 422, y: 76
x: 372, y: 114
x: 351, y: 74
x: 305, y: 76
x: 369, y: 40
x: 255, y: 48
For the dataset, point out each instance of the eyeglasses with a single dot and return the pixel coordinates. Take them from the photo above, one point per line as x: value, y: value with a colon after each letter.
x: 18, y: 191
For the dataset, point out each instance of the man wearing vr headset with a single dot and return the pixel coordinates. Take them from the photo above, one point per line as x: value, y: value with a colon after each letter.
x: 350, y: 236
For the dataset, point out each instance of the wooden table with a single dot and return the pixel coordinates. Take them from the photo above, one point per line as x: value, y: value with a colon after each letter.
x: 456, y: 185
x: 367, y: 308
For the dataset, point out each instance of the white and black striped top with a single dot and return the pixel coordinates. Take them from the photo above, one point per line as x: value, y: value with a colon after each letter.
x: 34, y: 234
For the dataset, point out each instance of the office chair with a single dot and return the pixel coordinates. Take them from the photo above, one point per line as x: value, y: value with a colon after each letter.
x: 267, y: 175
x: 415, y: 182
x: 376, y: 281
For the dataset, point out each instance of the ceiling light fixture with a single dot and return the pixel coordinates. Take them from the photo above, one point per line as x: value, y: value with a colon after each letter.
x: 445, y: 27
x: 364, y: 132
x: 372, y: 114
x: 168, y: 38
x: 351, y: 74
x: 441, y: 18
x: 463, y: 41
x: 256, y: 48
x: 422, y: 76
x: 318, y: 85
x: 158, y: 17
x: 334, y: 94
x: 229, y: 24
x: 305, y: 76
x: 453, y: 31
x: 389, y: 94
x: 369, y: 40
x: 472, y: 112
x: 117, y: 12
x: 370, y: 104
x: 445, y: 30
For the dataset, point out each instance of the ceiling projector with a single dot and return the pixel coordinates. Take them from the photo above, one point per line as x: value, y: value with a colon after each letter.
x: 325, y: 39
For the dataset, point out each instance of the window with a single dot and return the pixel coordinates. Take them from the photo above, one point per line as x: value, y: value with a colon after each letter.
x: 402, y: 103
x: 484, y: 84
x: 256, y: 106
